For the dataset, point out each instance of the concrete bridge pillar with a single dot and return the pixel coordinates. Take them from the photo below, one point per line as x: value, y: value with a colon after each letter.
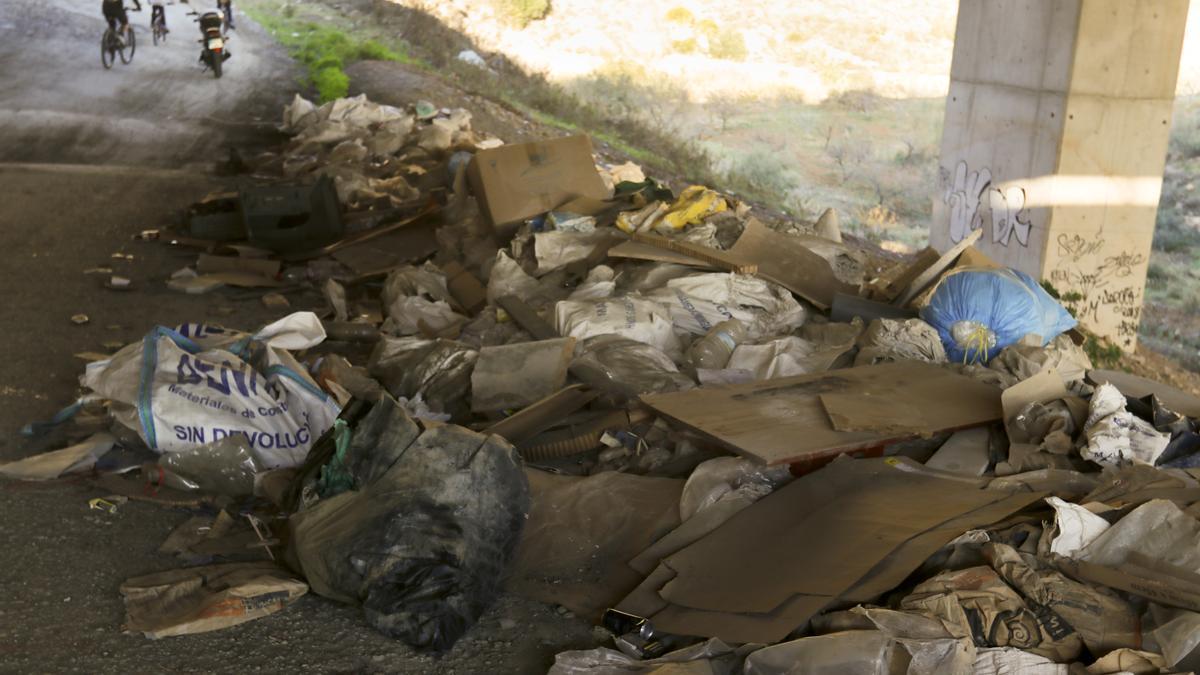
x: 1054, y: 143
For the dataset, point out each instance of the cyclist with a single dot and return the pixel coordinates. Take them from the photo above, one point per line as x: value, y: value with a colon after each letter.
x: 114, y: 13
x: 158, y: 9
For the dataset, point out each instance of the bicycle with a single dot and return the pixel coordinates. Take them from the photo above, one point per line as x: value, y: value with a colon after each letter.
x: 158, y: 27
x: 111, y: 45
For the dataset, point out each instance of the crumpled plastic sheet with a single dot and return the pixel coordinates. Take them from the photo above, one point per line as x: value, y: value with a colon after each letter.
x: 1158, y: 529
x: 712, y: 657
x: 1013, y: 661
x: 724, y: 477
x: 627, y: 367
x: 816, y: 348
x: 700, y: 301
x: 894, y: 340
x: 600, y: 283
x: 933, y: 649
x: 417, y: 298
x: 424, y: 540
x: 1075, y: 527
x: 1178, y: 636
x: 508, y: 278
x: 629, y: 316
x: 866, y: 652
x: 556, y: 249
x: 438, y: 370
x: 1027, y: 358
x: 1116, y: 437
x: 225, y: 466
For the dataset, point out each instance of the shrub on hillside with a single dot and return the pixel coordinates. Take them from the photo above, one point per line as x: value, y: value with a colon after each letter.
x: 331, y: 83
x: 524, y: 12
x: 728, y: 45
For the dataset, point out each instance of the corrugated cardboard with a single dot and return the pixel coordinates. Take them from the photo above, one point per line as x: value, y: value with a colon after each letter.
x: 521, y: 180
x: 783, y: 420
x: 788, y: 261
x: 844, y: 534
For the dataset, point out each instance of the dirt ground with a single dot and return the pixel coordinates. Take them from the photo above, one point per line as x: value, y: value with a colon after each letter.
x: 89, y: 158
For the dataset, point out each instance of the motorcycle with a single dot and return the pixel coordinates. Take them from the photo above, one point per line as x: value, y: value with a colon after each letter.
x: 214, y: 52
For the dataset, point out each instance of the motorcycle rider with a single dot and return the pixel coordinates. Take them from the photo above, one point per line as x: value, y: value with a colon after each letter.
x: 114, y: 13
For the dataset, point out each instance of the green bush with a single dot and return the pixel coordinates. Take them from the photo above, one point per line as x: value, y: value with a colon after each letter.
x: 687, y: 46
x: 373, y: 51
x: 728, y: 45
x: 1156, y: 273
x: 524, y: 12
x: 331, y: 83
x: 680, y: 15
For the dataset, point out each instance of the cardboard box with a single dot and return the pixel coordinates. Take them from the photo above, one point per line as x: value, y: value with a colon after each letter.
x: 521, y: 180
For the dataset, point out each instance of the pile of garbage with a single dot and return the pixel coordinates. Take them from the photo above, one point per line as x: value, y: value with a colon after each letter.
x: 739, y: 446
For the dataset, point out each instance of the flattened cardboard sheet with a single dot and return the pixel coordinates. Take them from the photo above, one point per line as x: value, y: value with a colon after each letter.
x: 783, y: 420
x: 863, y: 534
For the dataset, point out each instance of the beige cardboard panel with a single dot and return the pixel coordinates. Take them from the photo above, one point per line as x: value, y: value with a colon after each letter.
x: 796, y: 540
x: 783, y: 420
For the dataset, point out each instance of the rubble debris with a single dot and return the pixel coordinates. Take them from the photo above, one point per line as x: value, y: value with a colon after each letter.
x: 655, y: 411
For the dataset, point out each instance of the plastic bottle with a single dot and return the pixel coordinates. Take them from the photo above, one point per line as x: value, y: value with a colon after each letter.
x: 712, y: 351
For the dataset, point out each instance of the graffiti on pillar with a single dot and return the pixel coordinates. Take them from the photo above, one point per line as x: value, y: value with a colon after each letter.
x: 1100, y: 287
x: 973, y: 200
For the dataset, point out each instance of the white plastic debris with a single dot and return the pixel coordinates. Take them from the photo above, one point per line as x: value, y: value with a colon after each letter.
x: 472, y: 57
x: 1158, y: 529
x: 724, y: 477
x: 700, y: 301
x: 629, y: 316
x: 1116, y: 437
x: 1075, y: 527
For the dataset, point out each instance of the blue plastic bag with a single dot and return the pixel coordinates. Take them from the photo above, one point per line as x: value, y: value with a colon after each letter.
x: 979, y: 311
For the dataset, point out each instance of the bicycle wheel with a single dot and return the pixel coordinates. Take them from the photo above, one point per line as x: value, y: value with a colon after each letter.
x: 107, y: 56
x: 154, y: 34
x: 130, y: 46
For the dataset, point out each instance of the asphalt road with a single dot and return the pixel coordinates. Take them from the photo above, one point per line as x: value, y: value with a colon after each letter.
x: 89, y: 158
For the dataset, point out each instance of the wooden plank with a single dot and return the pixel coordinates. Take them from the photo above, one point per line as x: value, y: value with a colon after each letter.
x: 783, y: 421
x: 784, y: 259
x: 926, y: 278
x: 535, y: 419
x: 636, y: 250
x: 895, y: 279
x: 725, y: 260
